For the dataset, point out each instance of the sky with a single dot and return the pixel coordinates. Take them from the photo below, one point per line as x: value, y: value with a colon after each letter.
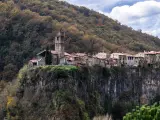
x: 138, y: 14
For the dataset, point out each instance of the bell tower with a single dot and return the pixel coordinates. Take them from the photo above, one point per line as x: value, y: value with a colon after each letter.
x: 59, y: 43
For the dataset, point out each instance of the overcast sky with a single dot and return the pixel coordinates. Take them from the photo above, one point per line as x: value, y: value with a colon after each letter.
x: 138, y: 14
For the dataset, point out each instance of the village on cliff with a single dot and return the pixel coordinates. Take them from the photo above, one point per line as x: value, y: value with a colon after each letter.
x: 60, y: 57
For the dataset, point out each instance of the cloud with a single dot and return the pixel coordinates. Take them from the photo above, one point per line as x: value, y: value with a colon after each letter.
x: 141, y: 15
x: 138, y: 14
x: 98, y: 5
x: 102, y: 5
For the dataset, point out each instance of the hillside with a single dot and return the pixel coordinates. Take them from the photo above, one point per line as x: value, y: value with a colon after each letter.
x: 28, y: 26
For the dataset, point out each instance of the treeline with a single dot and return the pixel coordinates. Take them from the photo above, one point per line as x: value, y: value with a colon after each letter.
x: 28, y: 26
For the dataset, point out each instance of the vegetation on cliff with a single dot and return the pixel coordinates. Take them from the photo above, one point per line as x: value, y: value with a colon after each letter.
x: 28, y: 26
x: 144, y: 113
x: 70, y: 92
x: 56, y: 100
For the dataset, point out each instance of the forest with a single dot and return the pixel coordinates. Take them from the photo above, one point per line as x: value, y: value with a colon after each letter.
x: 28, y: 26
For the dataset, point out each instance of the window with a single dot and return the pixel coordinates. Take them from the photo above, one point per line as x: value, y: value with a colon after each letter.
x: 34, y: 64
x: 58, y: 38
x: 62, y: 37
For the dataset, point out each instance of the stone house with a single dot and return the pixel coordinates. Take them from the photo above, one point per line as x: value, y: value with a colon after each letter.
x: 120, y: 58
x: 123, y: 59
x: 101, y: 59
x: 139, y: 59
x: 112, y: 62
x: 150, y: 57
x: 33, y: 62
x: 126, y: 60
x: 90, y: 61
x: 130, y: 60
x: 157, y: 57
x: 70, y: 59
x: 95, y: 61
x: 115, y: 55
x: 41, y: 56
x: 102, y: 62
x: 80, y: 58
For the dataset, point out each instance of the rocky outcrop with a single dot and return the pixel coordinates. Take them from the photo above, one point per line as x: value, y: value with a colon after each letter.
x: 68, y: 92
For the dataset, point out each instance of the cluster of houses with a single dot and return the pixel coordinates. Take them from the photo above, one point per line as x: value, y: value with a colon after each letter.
x: 60, y: 57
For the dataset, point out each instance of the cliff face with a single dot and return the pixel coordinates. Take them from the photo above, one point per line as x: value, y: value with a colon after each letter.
x: 79, y: 93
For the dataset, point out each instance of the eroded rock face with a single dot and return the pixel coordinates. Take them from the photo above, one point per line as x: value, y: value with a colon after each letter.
x: 71, y: 94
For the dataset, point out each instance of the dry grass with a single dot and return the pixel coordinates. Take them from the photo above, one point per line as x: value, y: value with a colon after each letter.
x: 107, y: 117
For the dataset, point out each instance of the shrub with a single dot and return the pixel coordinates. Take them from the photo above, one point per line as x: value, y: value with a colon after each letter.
x: 70, y: 107
x: 144, y: 113
x: 22, y: 72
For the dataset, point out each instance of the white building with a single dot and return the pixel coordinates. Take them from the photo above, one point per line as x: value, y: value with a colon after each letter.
x: 115, y: 55
x: 130, y: 60
x: 150, y: 57
x: 139, y: 59
x: 123, y: 59
x: 101, y: 59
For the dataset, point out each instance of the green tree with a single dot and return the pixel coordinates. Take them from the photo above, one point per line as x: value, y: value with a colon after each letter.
x: 144, y: 113
x: 48, y: 57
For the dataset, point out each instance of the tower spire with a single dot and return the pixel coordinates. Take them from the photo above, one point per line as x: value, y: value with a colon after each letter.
x: 59, y: 43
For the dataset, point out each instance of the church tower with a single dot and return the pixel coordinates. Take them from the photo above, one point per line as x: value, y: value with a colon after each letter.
x: 59, y: 43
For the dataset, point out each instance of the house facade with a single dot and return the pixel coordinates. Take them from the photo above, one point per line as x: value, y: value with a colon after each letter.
x: 139, y: 59
x: 150, y: 57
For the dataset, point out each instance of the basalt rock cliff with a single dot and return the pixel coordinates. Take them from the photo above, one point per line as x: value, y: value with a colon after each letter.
x: 78, y: 93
